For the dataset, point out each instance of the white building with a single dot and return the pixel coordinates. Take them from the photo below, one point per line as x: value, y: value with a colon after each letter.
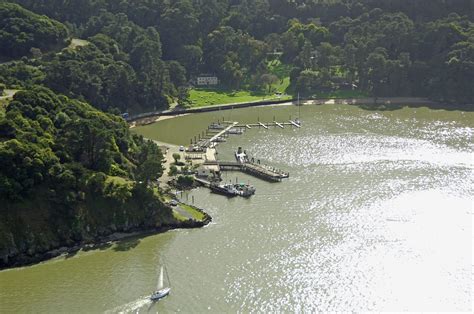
x: 207, y: 80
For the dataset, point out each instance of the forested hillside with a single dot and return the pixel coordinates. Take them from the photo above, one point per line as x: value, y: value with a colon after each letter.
x: 70, y: 173
x: 22, y: 32
x: 142, y: 54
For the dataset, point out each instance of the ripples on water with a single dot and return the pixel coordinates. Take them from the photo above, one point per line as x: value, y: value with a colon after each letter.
x: 376, y: 216
x: 378, y: 221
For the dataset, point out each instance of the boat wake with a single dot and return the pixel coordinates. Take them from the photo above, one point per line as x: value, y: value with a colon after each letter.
x: 141, y: 305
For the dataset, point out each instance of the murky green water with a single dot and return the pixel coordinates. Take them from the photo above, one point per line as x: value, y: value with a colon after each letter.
x: 377, y: 215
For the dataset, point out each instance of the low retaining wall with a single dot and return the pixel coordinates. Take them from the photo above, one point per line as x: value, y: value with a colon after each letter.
x: 318, y: 101
x: 205, y: 109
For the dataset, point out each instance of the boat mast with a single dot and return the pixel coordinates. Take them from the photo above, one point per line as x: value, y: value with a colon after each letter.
x: 299, y: 108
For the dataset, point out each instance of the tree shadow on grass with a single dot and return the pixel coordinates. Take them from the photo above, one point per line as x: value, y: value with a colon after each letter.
x: 258, y: 93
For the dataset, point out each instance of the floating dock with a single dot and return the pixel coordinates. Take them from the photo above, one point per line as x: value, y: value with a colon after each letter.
x: 279, y: 124
x: 263, y: 125
x: 216, y: 132
x: 256, y: 170
x: 268, y: 125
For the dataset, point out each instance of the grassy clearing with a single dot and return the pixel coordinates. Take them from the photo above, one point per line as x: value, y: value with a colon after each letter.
x: 5, y: 99
x: 200, y: 97
x: 207, y: 97
x: 193, y: 212
x: 282, y: 86
x: 178, y: 216
x: 76, y: 42
x: 279, y: 69
x: 282, y: 71
x: 118, y: 180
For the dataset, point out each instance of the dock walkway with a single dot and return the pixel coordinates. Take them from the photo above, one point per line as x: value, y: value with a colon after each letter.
x: 267, y: 125
x: 253, y: 169
x: 216, y: 137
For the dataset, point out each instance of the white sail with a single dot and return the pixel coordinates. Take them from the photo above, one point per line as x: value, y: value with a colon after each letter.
x: 160, y: 280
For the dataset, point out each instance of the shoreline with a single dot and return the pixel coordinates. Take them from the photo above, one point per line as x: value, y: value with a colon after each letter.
x: 100, y: 242
x: 384, y: 103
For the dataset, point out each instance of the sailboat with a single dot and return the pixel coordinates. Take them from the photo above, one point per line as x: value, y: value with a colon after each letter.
x: 161, y: 290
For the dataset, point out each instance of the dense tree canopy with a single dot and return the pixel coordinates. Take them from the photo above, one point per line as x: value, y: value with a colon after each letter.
x: 70, y: 173
x: 53, y: 141
x: 22, y: 30
x: 148, y: 50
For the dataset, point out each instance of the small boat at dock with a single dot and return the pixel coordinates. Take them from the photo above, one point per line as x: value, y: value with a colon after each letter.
x: 220, y: 139
x: 217, y: 126
x: 236, y: 131
x: 241, y: 156
x: 225, y: 189
x: 245, y: 190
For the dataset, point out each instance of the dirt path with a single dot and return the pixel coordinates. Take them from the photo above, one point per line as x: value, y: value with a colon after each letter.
x: 168, y: 150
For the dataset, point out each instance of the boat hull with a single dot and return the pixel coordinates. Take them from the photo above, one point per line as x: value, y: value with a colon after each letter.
x: 160, y: 294
x: 222, y: 191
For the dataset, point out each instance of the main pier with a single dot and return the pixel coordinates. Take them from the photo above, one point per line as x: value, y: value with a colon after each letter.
x: 203, y: 147
x: 253, y: 169
x: 218, y: 132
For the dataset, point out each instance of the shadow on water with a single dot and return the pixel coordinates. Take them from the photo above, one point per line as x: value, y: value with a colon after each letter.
x: 71, y: 254
x: 126, y: 245
x: 434, y: 106
x: 101, y: 246
x: 88, y: 248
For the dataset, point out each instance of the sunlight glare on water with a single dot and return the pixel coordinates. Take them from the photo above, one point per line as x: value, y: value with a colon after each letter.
x: 376, y: 216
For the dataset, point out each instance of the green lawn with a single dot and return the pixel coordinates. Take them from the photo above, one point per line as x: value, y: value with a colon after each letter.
x: 197, y: 215
x: 207, y: 97
x: 193, y: 212
x: 178, y: 216
x: 200, y: 97
x: 279, y: 69
x: 282, y: 85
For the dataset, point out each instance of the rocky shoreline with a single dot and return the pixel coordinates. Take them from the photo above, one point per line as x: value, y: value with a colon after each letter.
x: 24, y: 259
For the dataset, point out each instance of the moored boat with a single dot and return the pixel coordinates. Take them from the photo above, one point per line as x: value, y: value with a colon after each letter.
x: 236, y: 131
x: 224, y: 189
x: 216, y: 126
x: 245, y: 190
